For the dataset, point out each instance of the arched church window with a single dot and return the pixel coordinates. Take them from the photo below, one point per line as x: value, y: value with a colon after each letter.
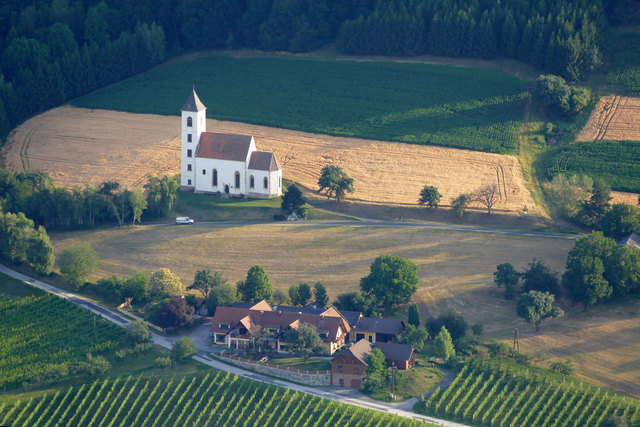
x: 237, y: 179
x: 266, y: 182
x: 214, y: 181
x: 189, y: 122
x: 251, y: 182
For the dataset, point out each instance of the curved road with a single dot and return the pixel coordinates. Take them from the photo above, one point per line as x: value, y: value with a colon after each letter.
x: 341, y: 394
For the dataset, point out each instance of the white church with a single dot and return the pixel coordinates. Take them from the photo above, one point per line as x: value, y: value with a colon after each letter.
x: 223, y: 163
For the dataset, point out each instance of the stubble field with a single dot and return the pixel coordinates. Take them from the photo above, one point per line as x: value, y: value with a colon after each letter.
x: 615, y: 118
x: 77, y: 146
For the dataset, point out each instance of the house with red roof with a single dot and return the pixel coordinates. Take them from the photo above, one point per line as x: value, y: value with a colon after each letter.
x: 260, y: 325
x: 224, y: 163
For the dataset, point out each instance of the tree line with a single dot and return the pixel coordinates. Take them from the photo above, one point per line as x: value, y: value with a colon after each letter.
x: 560, y: 37
x: 38, y: 198
x: 55, y: 51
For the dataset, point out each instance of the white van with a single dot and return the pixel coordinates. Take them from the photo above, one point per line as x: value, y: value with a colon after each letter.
x: 184, y: 220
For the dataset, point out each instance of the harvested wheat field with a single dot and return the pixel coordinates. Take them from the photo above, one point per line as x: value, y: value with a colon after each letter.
x: 615, y: 118
x: 77, y: 146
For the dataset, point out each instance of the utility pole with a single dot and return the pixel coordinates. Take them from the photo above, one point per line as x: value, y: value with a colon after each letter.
x: 516, y: 342
x: 95, y: 334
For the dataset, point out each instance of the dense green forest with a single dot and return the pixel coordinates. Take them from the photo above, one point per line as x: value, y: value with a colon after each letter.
x: 55, y: 50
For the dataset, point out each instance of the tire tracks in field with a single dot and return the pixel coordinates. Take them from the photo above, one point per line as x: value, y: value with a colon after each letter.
x: 24, y: 147
x: 608, y: 117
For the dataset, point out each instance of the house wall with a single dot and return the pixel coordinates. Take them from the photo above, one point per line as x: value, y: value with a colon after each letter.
x: 226, y: 176
x: 369, y: 336
x: 347, y: 368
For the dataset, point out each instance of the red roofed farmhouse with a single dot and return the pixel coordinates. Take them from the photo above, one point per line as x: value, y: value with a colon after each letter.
x: 237, y: 327
x: 224, y: 163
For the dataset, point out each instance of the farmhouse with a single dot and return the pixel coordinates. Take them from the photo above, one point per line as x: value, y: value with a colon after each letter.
x: 237, y: 327
x: 223, y: 163
x: 348, y: 367
x: 377, y: 330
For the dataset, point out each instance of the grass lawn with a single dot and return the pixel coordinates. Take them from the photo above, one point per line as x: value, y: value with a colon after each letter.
x: 14, y: 288
x: 300, y: 363
x: 468, y: 108
x: 208, y: 207
x: 414, y: 382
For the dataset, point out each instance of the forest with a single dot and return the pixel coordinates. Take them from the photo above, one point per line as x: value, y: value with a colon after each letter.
x: 53, y: 51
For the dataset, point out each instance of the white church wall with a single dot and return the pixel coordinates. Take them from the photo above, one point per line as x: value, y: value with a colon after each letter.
x: 226, y: 176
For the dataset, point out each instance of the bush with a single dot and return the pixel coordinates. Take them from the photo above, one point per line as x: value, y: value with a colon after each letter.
x: 184, y: 348
x: 138, y: 332
x: 163, y: 362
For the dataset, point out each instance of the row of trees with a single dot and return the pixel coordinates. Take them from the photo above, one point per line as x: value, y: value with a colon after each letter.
x: 561, y: 37
x: 35, y: 194
x: 487, y: 196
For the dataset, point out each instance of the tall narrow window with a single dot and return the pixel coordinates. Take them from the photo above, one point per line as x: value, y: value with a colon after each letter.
x: 215, y: 178
x: 266, y: 182
x: 251, y: 181
x: 189, y: 122
x: 188, y: 182
x: 188, y: 167
x: 189, y: 153
x: 188, y: 137
x: 237, y: 179
x: 204, y: 171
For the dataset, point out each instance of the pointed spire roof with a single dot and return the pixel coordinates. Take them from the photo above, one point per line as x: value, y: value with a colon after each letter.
x: 193, y: 103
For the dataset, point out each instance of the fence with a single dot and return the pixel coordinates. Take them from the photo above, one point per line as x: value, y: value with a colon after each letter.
x: 315, y: 378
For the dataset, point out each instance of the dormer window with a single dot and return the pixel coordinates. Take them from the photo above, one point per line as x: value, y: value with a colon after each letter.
x: 223, y: 325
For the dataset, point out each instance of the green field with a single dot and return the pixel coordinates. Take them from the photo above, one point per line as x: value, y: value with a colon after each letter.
x: 483, y: 395
x: 217, y: 399
x: 616, y: 162
x: 468, y: 108
x: 39, y: 333
x: 625, y: 63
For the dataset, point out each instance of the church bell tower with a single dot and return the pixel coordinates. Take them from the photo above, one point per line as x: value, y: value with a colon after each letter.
x: 194, y: 122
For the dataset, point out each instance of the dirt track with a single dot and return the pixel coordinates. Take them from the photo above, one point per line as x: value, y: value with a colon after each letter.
x: 78, y: 146
x: 615, y: 118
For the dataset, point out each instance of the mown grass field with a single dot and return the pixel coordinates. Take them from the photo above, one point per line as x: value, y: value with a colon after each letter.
x: 624, y: 71
x: 616, y: 162
x: 217, y: 399
x: 467, y: 108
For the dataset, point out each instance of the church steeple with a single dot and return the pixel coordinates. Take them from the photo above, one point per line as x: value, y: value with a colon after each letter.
x: 193, y: 103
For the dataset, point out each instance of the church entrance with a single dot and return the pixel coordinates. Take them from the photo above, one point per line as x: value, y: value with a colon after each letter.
x: 226, y: 189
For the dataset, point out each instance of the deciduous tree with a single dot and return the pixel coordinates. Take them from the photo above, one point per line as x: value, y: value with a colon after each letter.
x: 334, y: 182
x: 184, y: 348
x: 620, y: 221
x: 414, y: 336
x: 541, y: 278
x: 535, y: 306
x: 584, y: 277
x: 507, y: 276
x: 77, y: 263
x: 163, y: 282
x: 377, y: 362
x: 393, y: 280
x: 429, y: 196
x: 488, y: 196
x: 460, y: 203
x: 222, y: 296
x: 300, y: 294
x: 304, y: 340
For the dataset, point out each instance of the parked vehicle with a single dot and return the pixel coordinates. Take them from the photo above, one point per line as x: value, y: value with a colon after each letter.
x: 184, y: 220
